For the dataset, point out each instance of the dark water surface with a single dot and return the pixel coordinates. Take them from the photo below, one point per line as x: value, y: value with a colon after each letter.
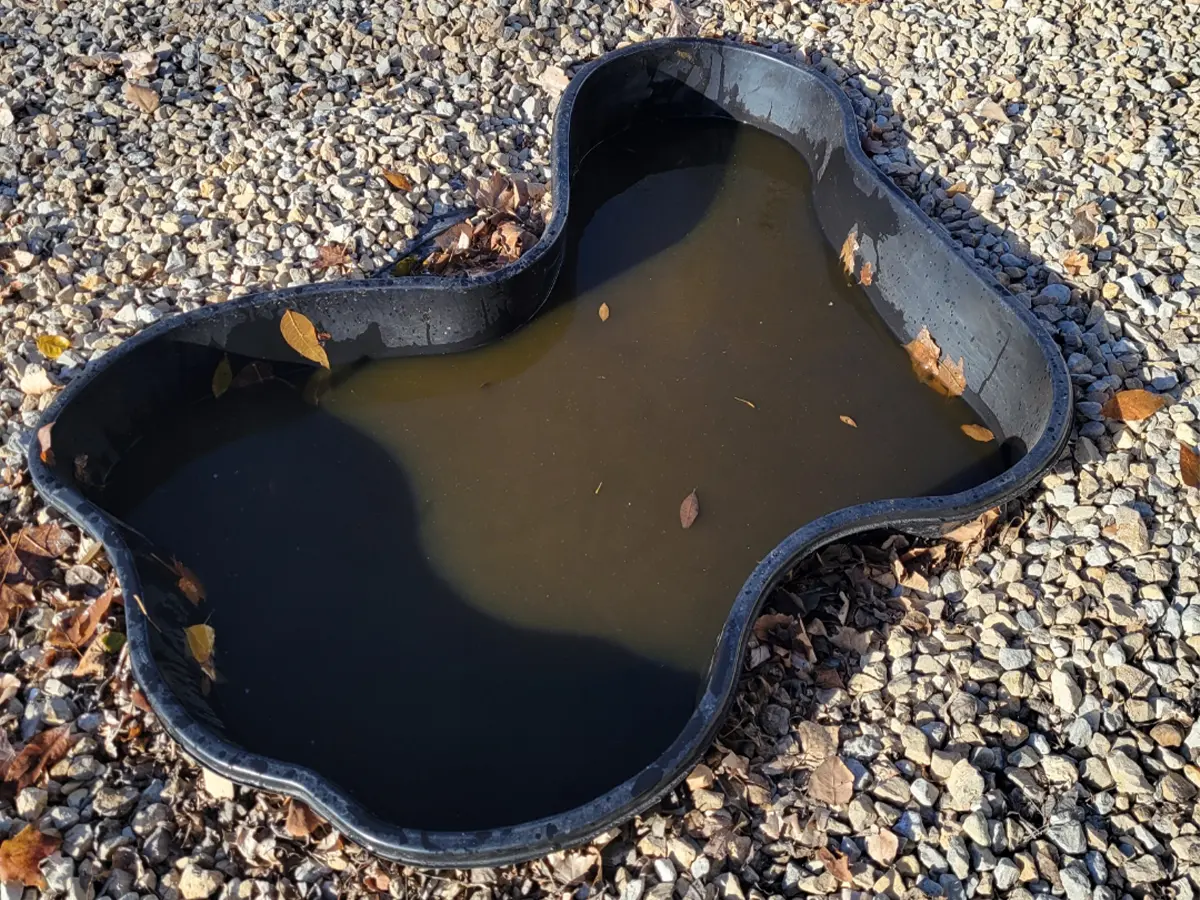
x: 459, y: 586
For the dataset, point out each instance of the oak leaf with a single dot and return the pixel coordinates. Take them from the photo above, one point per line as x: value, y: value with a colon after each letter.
x: 21, y: 857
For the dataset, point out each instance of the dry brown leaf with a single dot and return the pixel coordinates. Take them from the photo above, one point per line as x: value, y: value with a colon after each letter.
x: 222, y: 377
x: 1085, y: 222
x: 46, y: 454
x: 974, y: 530
x: 832, y: 783
x: 332, y: 256
x: 1189, y: 465
x: 52, y: 346
x: 978, y: 433
x: 849, y: 248
x: 765, y: 623
x: 14, y: 597
x: 398, y: 180
x: 188, y: 583
x: 990, y: 109
x: 301, y: 336
x: 951, y: 378
x: 1077, y: 263
x: 836, y: 864
x: 92, y: 661
x: 603, y: 312
x: 819, y: 742
x: 882, y: 846
x: 457, y: 238
x: 142, y: 96
x: 866, y: 274
x: 80, y: 629
x: 852, y: 639
x: 916, y: 621
x: 301, y: 821
x: 510, y: 240
x: 576, y: 867
x: 1132, y: 406
x: 21, y: 857
x: 689, y: 509
x: 846, y: 420
x: 37, y: 756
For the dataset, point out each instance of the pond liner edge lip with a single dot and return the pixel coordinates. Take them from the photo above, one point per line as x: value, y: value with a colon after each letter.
x: 503, y: 845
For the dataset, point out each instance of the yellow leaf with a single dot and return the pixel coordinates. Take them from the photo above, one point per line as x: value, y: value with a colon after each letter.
x: 603, y: 312
x: 201, y: 641
x: 866, y: 274
x: 848, y: 421
x: 940, y: 373
x: 52, y: 346
x: 849, y: 248
x: 222, y: 377
x: 978, y: 433
x: 301, y: 336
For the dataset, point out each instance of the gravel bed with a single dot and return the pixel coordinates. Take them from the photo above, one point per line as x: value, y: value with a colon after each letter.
x: 1014, y: 716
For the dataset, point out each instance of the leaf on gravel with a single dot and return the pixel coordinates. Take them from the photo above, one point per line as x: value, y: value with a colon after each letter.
x: 52, y: 346
x: 456, y: 239
x: 852, y: 639
x: 1132, y: 406
x: 142, y: 96
x: 46, y: 454
x: 990, y: 109
x: 332, y: 256
x: 972, y: 531
x: 92, y: 661
x: 978, y: 433
x: 689, y: 509
x: 398, y: 180
x: 1076, y: 263
x: 1085, y: 222
x: 866, y: 274
x: 222, y: 377
x: 36, y: 549
x: 846, y: 420
x: 9, y: 685
x: 940, y: 373
x: 301, y: 821
x: 832, y: 783
x: 575, y: 867
x: 603, y: 312
x: 42, y: 752
x: 1189, y: 465
x: 767, y: 623
x: 139, y: 64
x: 112, y: 642
x: 80, y: 629
x: 836, y: 864
x: 13, y: 597
x: 849, y: 248
x: 301, y: 336
x: 818, y: 742
x: 189, y: 584
x: 21, y: 857
x: 510, y: 240
x: 882, y: 846
x: 201, y: 641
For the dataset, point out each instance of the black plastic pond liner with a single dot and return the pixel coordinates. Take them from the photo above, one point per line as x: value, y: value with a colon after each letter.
x: 1016, y: 378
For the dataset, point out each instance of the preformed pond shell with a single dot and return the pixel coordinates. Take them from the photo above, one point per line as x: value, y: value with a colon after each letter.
x: 1017, y: 385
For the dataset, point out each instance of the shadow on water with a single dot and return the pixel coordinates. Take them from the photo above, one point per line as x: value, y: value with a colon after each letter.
x: 431, y: 713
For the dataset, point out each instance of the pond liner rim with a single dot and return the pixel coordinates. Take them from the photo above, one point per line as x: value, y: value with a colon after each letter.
x: 925, y: 516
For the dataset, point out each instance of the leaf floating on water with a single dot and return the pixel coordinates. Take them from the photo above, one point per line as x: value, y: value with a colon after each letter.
x: 253, y: 373
x: 747, y: 402
x: 849, y: 248
x: 978, y: 433
x: 848, y: 421
x: 52, y: 346
x: 689, y: 509
x: 188, y: 583
x: 398, y: 180
x: 301, y: 336
x: 603, y: 312
x: 21, y: 856
x: 600, y: 485
x: 832, y: 783
x: 46, y: 454
x: 866, y: 274
x: 201, y: 641
x: 1132, y: 406
x: 1189, y: 466
x: 940, y: 373
x: 222, y: 377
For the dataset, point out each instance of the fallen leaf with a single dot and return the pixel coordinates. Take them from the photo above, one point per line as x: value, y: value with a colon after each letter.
x: 139, y: 64
x: 846, y: 420
x: 43, y: 435
x: 747, y: 402
x: 92, y: 661
x: 689, y: 509
x: 1132, y: 406
x: 142, y: 96
x: 112, y: 642
x: 576, y: 867
x: 852, y: 639
x: 882, y: 846
x: 79, y: 630
x: 818, y: 742
x: 510, y: 240
x: 805, y: 641
x: 457, y: 238
x: 201, y: 641
x: 14, y: 597
x: 990, y: 109
x: 600, y: 485
x: 940, y: 373
x: 603, y: 311
x: 332, y: 256
x: 849, y: 248
x: 978, y: 433
x: 52, y: 346
x: 222, y: 377
x: 9, y: 685
x: 832, y: 783
x: 41, y: 752
x: 34, y: 550
x: 836, y: 864
x: 866, y: 274
x: 398, y: 180
x: 301, y: 336
x: 972, y: 531
x: 1189, y: 465
x: 189, y: 584
x: 767, y: 622
x: 1077, y: 263
x: 959, y: 187
x: 21, y: 856
x: 1085, y: 222
x: 253, y: 373
x: 301, y: 821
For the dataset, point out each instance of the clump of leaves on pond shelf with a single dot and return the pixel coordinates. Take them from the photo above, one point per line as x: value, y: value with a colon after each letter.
x: 301, y: 336
x: 509, y: 218
x: 938, y: 371
x: 1132, y: 406
x: 689, y: 510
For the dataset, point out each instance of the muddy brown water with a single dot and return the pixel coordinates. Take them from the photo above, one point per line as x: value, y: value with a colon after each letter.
x: 459, y: 586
